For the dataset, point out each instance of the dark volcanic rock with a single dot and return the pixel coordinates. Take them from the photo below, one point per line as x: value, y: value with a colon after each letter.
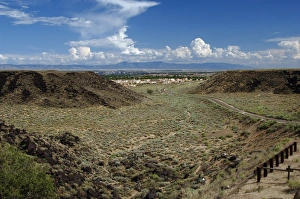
x: 150, y: 195
x: 61, y: 152
x: 68, y: 139
x: 29, y: 145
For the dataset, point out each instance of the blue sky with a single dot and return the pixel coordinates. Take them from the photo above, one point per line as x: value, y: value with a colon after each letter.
x: 258, y: 33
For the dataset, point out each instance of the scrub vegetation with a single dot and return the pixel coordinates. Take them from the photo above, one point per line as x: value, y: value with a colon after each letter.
x: 162, y: 146
x: 22, y: 177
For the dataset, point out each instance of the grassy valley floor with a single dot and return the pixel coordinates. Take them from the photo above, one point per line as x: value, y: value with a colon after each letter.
x: 182, y: 137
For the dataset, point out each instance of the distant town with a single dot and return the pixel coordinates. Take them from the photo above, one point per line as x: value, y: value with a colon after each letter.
x: 136, y: 78
x: 136, y: 82
x: 132, y: 78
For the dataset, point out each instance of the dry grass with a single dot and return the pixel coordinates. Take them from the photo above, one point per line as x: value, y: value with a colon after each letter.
x: 268, y: 104
x: 185, y: 133
x: 157, y: 125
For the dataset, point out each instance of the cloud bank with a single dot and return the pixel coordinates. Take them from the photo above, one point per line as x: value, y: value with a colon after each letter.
x: 119, y: 47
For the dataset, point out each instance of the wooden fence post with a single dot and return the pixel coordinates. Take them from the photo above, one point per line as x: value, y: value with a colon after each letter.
x: 289, y: 170
x: 277, y: 160
x: 271, y: 165
x: 291, y: 149
x: 265, y: 170
x: 258, y: 172
x: 282, y: 156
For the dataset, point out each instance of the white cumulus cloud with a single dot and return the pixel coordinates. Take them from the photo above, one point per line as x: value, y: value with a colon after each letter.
x: 292, y: 48
x: 180, y: 53
x: 183, y: 52
x: 99, y: 55
x: 2, y: 57
x: 81, y: 52
x: 84, y: 51
x: 200, y: 48
x: 234, y: 51
x: 119, y: 41
x: 289, y: 47
x: 122, y: 42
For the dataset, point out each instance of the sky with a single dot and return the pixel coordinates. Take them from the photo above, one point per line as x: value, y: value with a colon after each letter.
x: 257, y: 33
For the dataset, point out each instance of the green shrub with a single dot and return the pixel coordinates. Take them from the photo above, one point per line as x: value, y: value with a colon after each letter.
x: 277, y: 147
x: 222, y: 137
x: 245, y: 133
x: 293, y: 184
x: 273, y: 128
x: 22, y: 177
x: 266, y: 124
x: 155, y: 177
x: 296, y: 116
x: 149, y: 91
x: 285, y: 140
x: 292, y: 127
x: 235, y: 129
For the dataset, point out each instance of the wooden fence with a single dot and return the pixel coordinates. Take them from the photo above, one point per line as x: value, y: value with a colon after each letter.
x: 279, y: 158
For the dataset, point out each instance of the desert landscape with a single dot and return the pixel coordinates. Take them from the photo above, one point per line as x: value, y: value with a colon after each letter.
x: 189, y: 139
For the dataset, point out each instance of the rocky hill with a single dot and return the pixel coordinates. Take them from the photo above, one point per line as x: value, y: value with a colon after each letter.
x: 275, y: 81
x: 63, y: 89
x: 65, y: 150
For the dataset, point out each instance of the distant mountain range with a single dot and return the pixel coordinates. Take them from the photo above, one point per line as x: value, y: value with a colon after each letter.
x: 133, y: 66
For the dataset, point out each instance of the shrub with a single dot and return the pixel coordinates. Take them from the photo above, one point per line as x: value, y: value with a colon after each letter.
x: 149, y: 91
x: 292, y: 127
x: 277, y: 147
x: 222, y: 137
x: 22, y: 177
x: 266, y: 125
x: 258, y: 189
x: 273, y: 128
x: 245, y: 133
x: 155, y: 177
x: 294, y: 184
x: 234, y: 129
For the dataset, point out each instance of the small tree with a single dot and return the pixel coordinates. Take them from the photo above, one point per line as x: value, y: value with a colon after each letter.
x: 22, y: 177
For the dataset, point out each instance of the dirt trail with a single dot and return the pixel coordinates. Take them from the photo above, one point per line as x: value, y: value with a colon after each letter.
x: 273, y: 186
x: 224, y: 104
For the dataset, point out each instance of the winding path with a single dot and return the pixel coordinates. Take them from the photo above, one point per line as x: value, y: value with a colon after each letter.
x: 228, y: 106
